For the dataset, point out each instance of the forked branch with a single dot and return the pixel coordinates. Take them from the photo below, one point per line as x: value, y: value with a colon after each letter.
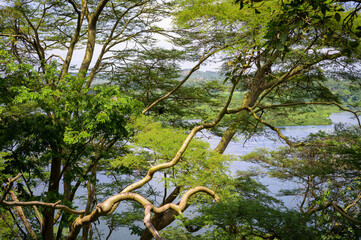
x: 109, y: 205
x: 106, y: 208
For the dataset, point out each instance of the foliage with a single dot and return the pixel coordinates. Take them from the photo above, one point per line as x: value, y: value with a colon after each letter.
x: 326, y: 170
x: 302, y: 116
x: 153, y: 144
x: 40, y: 121
x: 247, y: 211
x: 66, y: 126
x: 7, y: 228
x: 149, y: 75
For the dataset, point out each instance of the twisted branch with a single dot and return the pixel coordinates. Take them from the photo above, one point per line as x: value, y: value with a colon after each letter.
x: 109, y: 205
x: 106, y: 208
x: 43, y: 204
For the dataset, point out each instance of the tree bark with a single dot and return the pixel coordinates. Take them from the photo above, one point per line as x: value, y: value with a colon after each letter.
x: 91, y: 197
x: 48, y: 231
x: 67, y: 197
x: 92, y: 23
x: 162, y: 220
x: 22, y: 216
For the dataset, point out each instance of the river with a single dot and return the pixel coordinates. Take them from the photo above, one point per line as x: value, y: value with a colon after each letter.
x: 239, y: 148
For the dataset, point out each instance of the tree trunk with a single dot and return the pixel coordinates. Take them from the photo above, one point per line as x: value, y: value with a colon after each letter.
x: 160, y: 221
x: 67, y: 197
x: 248, y: 101
x: 48, y: 231
x: 91, y: 186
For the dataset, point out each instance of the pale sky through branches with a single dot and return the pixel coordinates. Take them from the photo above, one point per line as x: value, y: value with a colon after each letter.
x: 210, y: 65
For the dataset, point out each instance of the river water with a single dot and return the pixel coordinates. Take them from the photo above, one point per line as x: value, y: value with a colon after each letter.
x: 239, y: 148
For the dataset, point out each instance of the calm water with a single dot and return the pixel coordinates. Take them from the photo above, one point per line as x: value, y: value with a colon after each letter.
x: 239, y: 148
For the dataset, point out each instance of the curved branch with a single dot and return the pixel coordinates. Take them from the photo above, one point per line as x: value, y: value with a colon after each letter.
x: 184, y: 146
x: 271, y: 127
x: 43, y: 204
x: 204, y: 57
x: 23, y: 218
x: 337, y: 208
x: 353, y: 112
x: 148, y: 223
x: 107, y: 207
x: 55, y: 55
x: 354, y: 203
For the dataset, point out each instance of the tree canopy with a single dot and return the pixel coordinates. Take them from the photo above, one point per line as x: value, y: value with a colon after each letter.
x: 121, y: 110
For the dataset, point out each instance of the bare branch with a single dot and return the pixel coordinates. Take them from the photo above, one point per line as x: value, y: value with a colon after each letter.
x: 354, y: 203
x: 106, y: 47
x: 107, y: 207
x: 55, y: 55
x: 43, y: 204
x: 75, y: 37
x: 75, y: 6
x: 148, y: 223
x: 337, y: 208
x: 89, y: 51
x: 38, y: 216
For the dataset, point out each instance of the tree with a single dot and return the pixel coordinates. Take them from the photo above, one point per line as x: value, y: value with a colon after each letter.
x: 73, y: 128
x: 68, y: 127
x: 291, y: 60
x: 247, y: 211
x: 59, y: 127
x: 277, y: 60
x: 326, y: 169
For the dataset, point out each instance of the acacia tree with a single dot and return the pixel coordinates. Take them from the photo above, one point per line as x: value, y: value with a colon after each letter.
x: 92, y: 119
x: 57, y: 125
x: 279, y: 54
x: 326, y: 173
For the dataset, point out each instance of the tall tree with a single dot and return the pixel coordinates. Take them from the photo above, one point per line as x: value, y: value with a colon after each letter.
x: 70, y: 128
x: 279, y: 51
x: 276, y: 54
x: 58, y: 126
x: 64, y: 123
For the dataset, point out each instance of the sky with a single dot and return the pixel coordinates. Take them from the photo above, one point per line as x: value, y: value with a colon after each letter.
x: 209, y: 65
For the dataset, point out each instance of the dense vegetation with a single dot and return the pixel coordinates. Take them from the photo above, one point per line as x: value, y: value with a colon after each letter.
x: 99, y: 123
